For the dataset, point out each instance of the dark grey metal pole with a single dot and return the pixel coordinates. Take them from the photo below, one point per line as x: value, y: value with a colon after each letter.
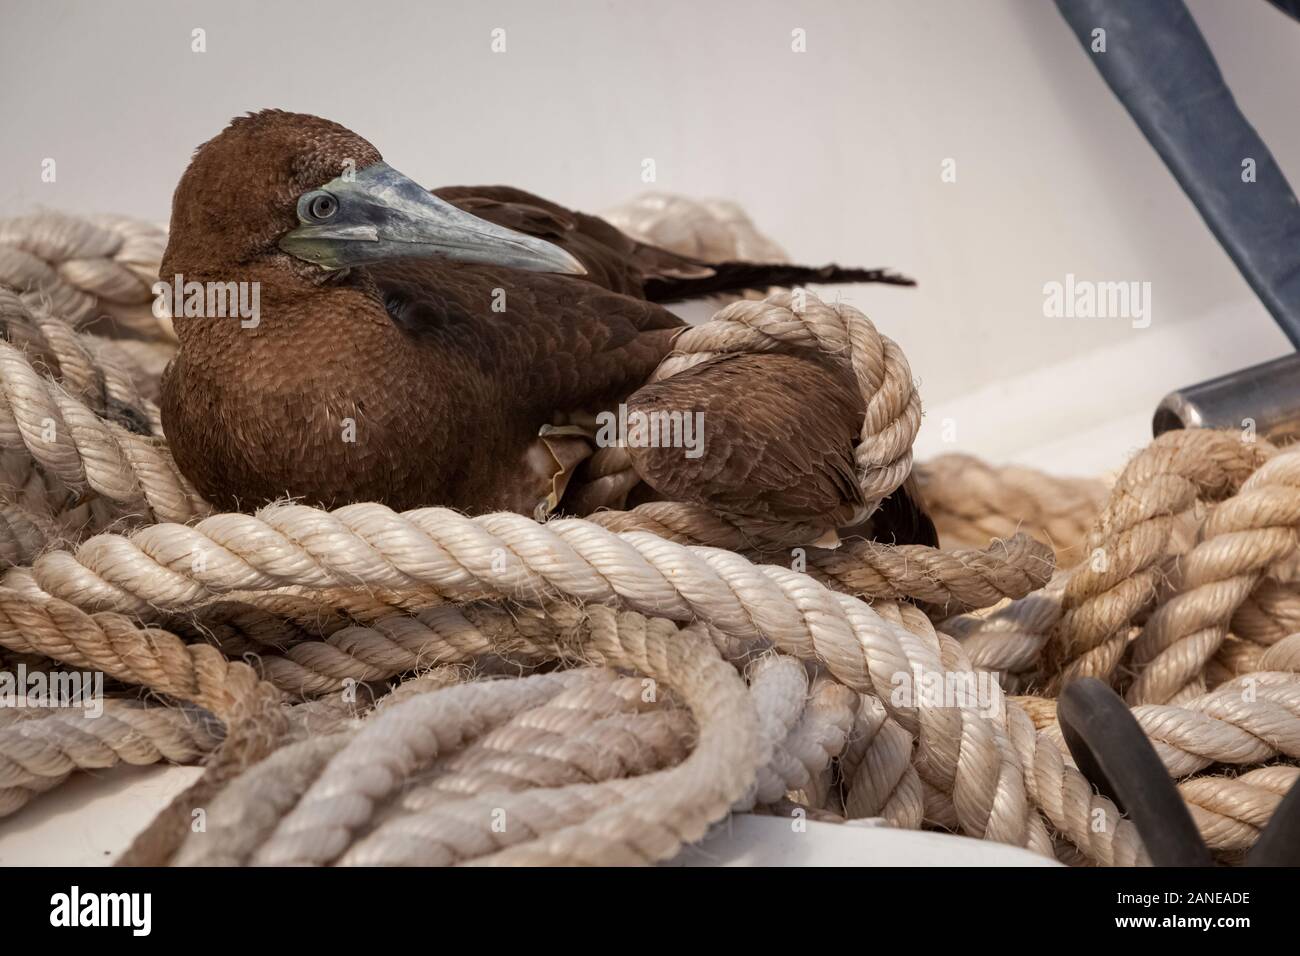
x: 1159, y: 66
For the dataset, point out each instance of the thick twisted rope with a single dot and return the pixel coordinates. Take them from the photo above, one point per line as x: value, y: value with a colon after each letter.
x: 23, y: 535
x: 819, y: 737
x: 972, y: 502
x: 1231, y: 811
x: 1101, y: 598
x: 1282, y: 656
x: 881, y: 780
x: 40, y: 509
x: 656, y: 814
x: 85, y: 452
x: 322, y: 823
x: 602, y: 731
x: 441, y: 549
x: 879, y: 777
x: 364, y: 580
x: 392, y: 645
x: 1242, y: 539
x: 1270, y: 613
x: 1121, y: 575
x: 29, y: 491
x: 548, y: 746
x: 39, y: 752
x: 370, y: 546
x: 81, y: 268
x: 90, y: 368
x: 710, y: 229
x: 1062, y: 795
x: 950, y: 580
x: 198, y: 674
x: 1253, y: 718
x: 113, y: 644
x: 684, y: 799
x: 1009, y: 638
x: 805, y: 727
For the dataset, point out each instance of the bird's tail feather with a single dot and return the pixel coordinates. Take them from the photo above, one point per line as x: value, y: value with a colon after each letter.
x: 734, y: 277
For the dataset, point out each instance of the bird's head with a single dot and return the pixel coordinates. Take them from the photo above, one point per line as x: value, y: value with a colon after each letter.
x: 316, y: 197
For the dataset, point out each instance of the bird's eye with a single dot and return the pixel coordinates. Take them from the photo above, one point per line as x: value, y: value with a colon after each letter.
x: 318, y: 206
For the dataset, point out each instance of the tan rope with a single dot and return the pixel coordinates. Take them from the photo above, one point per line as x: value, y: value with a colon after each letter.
x: 880, y: 780
x: 93, y: 370
x: 44, y: 499
x: 1010, y: 637
x: 35, y: 754
x: 23, y: 535
x: 319, y: 824
x: 819, y: 737
x: 950, y: 580
x: 315, y: 830
x: 598, y: 566
x: 111, y: 643
x: 1269, y: 613
x: 1060, y: 793
x: 390, y: 646
x: 1242, y: 538
x: 600, y: 731
x: 1120, y: 577
x: 1230, y: 812
x: 337, y: 604
x: 711, y: 229
x: 972, y: 503
x: 81, y: 268
x: 85, y: 452
x: 442, y: 549
x: 657, y: 813
x: 547, y: 746
x: 196, y: 673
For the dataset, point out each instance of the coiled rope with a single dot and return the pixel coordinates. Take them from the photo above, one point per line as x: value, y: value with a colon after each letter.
x: 425, y: 687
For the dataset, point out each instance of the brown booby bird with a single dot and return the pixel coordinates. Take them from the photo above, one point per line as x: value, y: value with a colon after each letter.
x: 411, y: 344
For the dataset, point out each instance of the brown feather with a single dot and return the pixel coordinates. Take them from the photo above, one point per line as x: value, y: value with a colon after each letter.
x: 778, y: 436
x: 622, y: 264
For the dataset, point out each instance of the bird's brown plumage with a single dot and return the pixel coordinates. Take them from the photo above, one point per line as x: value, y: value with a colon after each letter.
x: 400, y: 382
x: 623, y: 264
x: 768, y: 452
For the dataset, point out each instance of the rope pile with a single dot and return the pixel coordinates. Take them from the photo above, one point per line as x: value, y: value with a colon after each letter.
x: 714, y: 230
x: 367, y: 687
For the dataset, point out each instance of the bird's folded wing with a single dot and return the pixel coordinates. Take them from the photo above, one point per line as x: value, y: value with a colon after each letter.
x: 778, y: 433
x: 613, y: 259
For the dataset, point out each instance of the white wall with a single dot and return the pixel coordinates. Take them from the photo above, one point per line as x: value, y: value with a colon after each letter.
x: 836, y: 152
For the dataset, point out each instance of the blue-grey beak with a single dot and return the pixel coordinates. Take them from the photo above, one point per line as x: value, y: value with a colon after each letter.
x: 377, y: 213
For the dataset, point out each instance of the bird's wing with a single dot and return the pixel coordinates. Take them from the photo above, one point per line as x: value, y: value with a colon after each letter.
x: 613, y: 259
x: 551, y: 343
x: 778, y: 436
x: 778, y: 430
x: 616, y: 261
